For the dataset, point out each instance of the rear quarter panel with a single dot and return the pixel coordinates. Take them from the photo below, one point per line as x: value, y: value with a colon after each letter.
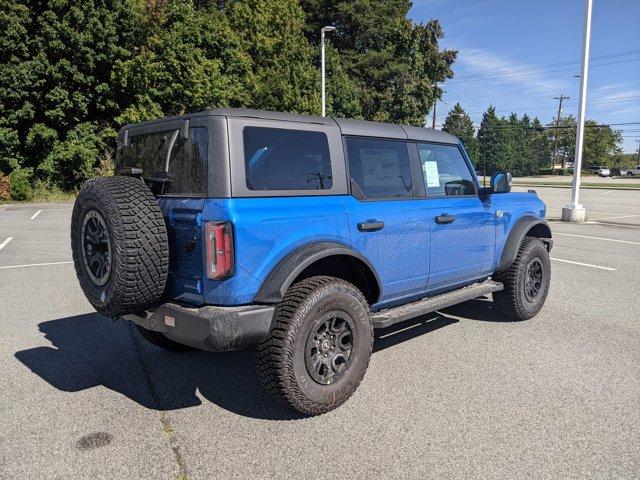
x: 265, y: 231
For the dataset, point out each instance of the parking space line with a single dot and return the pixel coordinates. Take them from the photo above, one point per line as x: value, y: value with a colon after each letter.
x: 582, y: 264
x: 5, y: 243
x: 597, y: 238
x: 35, y: 215
x: 33, y: 265
x: 608, y: 191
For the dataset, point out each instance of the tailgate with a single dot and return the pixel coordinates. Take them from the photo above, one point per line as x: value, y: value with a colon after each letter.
x: 183, y: 217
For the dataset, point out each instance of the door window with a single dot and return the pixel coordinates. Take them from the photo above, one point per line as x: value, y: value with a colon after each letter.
x: 279, y: 159
x: 445, y: 171
x: 380, y: 167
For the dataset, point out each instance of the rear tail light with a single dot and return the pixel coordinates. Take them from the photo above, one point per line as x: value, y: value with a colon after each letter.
x: 218, y: 240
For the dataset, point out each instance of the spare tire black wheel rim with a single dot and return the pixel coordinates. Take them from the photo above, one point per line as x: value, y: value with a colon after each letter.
x: 329, y: 347
x: 533, y: 279
x: 96, y: 248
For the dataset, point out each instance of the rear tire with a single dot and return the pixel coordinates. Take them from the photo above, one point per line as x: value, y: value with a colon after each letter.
x: 526, y: 281
x: 319, y: 348
x: 160, y: 341
x: 120, y: 246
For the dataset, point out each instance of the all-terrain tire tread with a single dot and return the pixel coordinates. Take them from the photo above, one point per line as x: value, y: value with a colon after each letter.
x: 275, y: 354
x: 509, y: 301
x: 141, y: 257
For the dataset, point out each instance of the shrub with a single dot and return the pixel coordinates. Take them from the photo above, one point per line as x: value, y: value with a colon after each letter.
x: 20, y: 181
x: 73, y: 160
x: 5, y: 186
x: 106, y: 167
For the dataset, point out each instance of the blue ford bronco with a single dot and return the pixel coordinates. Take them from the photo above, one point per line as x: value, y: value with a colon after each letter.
x: 298, y: 236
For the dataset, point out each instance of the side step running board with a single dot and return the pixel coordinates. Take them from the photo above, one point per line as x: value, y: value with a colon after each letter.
x: 386, y: 318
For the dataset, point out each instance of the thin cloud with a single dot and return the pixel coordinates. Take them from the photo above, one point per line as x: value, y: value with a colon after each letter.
x: 480, y: 61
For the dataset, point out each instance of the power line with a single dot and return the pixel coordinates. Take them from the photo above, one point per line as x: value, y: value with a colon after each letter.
x: 499, y: 76
x: 548, y: 65
x: 526, y: 109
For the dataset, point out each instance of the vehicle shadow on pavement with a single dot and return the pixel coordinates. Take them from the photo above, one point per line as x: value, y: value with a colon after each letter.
x: 481, y: 309
x: 90, y: 351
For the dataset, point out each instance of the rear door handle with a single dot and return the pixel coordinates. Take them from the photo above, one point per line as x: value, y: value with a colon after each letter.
x: 444, y: 218
x: 372, y: 226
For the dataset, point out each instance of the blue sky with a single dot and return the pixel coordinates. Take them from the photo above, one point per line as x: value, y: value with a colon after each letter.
x: 509, y: 45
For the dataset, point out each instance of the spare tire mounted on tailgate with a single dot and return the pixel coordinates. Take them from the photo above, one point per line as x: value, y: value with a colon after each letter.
x: 120, y: 245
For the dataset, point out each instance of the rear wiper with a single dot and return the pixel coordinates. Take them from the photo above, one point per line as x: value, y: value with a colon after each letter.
x: 159, y: 183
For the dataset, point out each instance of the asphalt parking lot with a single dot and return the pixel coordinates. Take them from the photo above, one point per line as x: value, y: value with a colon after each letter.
x: 458, y: 394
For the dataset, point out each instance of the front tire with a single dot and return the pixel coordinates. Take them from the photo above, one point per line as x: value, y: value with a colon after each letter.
x: 526, y: 281
x: 319, y: 348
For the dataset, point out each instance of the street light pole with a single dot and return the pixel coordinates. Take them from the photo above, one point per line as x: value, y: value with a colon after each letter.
x: 328, y: 28
x: 638, y: 142
x: 574, y: 212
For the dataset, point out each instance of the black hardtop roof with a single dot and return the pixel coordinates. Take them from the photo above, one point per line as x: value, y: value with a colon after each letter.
x: 347, y: 126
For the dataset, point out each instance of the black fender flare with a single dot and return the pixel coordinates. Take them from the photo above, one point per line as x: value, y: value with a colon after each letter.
x: 287, y: 270
x: 522, y: 226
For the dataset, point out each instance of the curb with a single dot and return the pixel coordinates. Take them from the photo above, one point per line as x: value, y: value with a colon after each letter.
x: 591, y: 187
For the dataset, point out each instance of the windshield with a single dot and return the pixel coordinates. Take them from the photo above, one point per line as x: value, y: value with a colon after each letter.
x: 182, y: 173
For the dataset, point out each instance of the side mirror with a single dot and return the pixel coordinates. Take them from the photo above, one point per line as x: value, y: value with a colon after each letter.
x: 501, y: 182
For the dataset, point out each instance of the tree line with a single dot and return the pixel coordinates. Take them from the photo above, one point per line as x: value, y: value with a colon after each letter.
x: 524, y: 146
x: 72, y: 73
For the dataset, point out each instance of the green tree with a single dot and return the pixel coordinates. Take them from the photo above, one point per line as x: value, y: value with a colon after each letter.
x: 538, y: 146
x: 492, y: 142
x: 459, y: 123
x: 55, y: 64
x: 396, y: 63
x: 601, y: 142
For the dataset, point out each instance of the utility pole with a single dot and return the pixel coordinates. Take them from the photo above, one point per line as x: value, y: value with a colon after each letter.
x: 638, y: 142
x: 574, y: 211
x: 561, y: 98
x: 433, y: 123
x: 435, y: 102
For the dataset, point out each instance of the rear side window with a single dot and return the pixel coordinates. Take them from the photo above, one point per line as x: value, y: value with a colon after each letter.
x: 186, y: 171
x: 280, y: 159
x: 380, y: 167
x: 445, y: 171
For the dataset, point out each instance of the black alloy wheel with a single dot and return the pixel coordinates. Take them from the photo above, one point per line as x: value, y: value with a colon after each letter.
x: 533, y: 279
x: 96, y: 250
x: 329, y: 345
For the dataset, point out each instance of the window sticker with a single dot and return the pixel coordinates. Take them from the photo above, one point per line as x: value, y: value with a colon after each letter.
x: 430, y: 170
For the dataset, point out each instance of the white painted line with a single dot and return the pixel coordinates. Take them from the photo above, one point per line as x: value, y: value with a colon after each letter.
x: 35, y: 215
x: 597, y: 238
x: 5, y: 243
x: 582, y: 264
x: 33, y: 265
x: 608, y: 191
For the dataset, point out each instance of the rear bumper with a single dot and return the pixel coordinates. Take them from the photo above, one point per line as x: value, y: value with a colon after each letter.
x: 211, y: 328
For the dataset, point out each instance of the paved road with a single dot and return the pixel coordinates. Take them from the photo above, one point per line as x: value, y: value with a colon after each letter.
x: 454, y: 395
x: 603, y: 206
